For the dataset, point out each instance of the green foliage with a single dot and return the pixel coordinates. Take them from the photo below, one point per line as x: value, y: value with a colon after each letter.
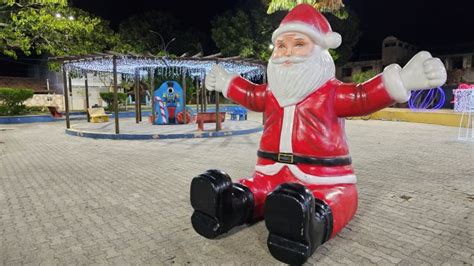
x: 245, y: 32
x: 54, y: 29
x: 154, y: 31
x: 336, y: 7
x: 363, y: 76
x: 108, y: 97
x: 11, y: 100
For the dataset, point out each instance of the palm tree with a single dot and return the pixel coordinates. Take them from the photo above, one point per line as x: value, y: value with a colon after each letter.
x: 332, y: 6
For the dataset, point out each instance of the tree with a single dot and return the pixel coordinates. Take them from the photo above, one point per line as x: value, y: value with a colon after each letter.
x: 246, y: 32
x: 335, y: 7
x: 51, y: 27
x: 156, y: 31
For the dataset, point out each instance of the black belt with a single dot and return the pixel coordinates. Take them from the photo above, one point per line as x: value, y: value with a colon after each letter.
x: 290, y: 158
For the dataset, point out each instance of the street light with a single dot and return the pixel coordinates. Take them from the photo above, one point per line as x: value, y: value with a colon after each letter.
x: 166, y: 47
x: 163, y: 41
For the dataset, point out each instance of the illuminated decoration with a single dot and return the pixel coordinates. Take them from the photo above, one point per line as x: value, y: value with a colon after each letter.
x: 427, y: 99
x: 462, y: 98
x: 194, y: 67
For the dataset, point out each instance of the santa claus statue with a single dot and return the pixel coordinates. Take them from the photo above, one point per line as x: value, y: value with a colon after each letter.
x: 304, y: 184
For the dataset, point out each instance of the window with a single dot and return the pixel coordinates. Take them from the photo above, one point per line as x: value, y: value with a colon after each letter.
x: 346, y: 72
x: 457, y: 62
x: 400, y: 44
x: 366, y: 68
x: 390, y: 44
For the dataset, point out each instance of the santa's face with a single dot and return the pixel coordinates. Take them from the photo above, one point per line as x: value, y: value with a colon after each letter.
x: 292, y: 44
x: 297, y: 68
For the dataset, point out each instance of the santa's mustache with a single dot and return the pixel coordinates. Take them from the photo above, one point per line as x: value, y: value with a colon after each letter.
x: 289, y: 59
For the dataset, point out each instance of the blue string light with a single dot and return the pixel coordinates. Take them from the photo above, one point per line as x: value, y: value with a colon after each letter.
x: 427, y: 99
x: 166, y: 66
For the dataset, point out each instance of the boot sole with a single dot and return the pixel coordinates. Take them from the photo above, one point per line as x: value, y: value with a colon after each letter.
x: 287, y: 220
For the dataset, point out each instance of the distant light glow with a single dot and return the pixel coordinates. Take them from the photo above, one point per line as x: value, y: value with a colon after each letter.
x: 71, y: 18
x: 58, y: 15
x: 427, y: 99
x: 271, y: 47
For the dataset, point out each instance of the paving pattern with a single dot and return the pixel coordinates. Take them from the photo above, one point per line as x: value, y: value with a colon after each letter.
x: 71, y: 200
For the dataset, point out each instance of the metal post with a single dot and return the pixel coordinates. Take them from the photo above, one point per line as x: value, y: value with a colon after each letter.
x: 86, y: 84
x: 204, y: 101
x: 70, y: 89
x: 117, y: 130
x: 184, y: 98
x: 66, y: 98
x: 152, y: 96
x: 218, y: 117
x: 139, y: 99
x: 137, y: 119
x: 197, y: 95
x: 201, y: 93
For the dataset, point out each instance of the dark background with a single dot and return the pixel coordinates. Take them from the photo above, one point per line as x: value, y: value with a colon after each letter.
x: 444, y: 26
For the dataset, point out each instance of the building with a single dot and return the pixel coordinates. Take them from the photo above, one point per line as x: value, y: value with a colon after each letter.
x: 459, y: 66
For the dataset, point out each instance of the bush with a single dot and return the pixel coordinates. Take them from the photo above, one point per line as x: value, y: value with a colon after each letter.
x: 363, y: 76
x: 12, y: 100
x: 108, y: 97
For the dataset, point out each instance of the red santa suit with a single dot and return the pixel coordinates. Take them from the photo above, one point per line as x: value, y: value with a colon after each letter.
x: 313, y: 128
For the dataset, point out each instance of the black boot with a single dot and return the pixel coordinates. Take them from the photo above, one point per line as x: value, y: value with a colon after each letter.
x: 218, y: 204
x: 297, y: 223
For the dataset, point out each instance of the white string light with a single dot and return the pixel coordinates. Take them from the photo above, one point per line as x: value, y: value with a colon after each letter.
x: 166, y: 66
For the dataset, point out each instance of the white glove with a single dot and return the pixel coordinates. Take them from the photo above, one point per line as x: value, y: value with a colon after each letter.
x: 423, y: 72
x: 420, y: 73
x: 218, y: 79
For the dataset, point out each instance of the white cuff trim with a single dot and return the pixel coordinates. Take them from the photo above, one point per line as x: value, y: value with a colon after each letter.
x: 227, y: 82
x: 273, y: 169
x: 394, y: 85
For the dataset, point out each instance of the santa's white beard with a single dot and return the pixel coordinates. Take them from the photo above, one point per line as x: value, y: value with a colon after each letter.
x: 291, y: 84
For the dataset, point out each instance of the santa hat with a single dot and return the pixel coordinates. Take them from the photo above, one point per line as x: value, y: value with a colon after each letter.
x: 306, y: 19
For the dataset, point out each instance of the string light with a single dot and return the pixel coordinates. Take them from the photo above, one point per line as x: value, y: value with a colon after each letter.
x: 166, y: 66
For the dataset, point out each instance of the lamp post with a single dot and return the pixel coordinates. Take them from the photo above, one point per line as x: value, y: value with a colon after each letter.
x: 163, y: 45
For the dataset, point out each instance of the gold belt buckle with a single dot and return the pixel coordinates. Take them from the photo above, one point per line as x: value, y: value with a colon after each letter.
x: 285, y: 158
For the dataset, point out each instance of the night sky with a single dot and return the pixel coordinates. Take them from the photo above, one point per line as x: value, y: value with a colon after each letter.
x: 428, y: 24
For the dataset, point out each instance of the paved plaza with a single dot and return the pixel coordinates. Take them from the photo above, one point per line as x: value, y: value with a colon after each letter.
x: 73, y: 200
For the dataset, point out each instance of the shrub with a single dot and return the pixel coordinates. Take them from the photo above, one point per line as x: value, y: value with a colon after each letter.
x: 108, y: 97
x: 363, y: 76
x: 12, y: 100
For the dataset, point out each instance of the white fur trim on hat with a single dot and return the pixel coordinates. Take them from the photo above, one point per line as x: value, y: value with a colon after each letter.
x: 329, y: 40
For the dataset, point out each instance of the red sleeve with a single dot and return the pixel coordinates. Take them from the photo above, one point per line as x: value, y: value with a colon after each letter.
x: 361, y: 99
x: 247, y: 94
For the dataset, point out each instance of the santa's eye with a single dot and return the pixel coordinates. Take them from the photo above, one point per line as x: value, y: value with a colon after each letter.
x: 280, y: 46
x: 299, y: 44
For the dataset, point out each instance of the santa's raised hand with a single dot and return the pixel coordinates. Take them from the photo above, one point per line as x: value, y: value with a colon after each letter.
x: 422, y: 72
x: 218, y: 79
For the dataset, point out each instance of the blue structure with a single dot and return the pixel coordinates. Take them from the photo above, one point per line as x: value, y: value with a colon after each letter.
x: 171, y: 93
x: 238, y: 113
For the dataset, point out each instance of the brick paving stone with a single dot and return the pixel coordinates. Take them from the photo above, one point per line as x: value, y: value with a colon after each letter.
x: 71, y: 200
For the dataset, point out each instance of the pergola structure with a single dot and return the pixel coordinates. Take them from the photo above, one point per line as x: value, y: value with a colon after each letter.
x: 195, y: 67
